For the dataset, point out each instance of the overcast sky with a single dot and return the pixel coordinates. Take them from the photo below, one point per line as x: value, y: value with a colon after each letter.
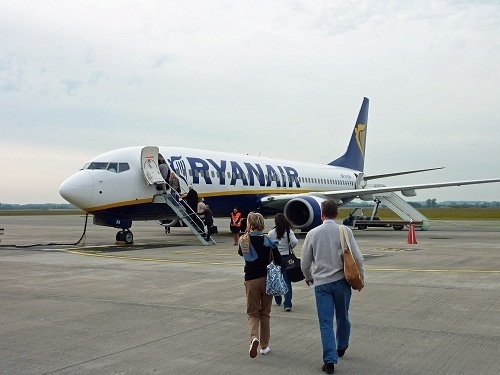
x: 277, y: 78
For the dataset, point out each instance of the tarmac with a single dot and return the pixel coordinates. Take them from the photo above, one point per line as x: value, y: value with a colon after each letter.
x: 168, y: 305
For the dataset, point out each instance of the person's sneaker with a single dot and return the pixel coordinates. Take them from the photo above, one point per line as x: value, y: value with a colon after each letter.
x: 288, y: 309
x: 341, y: 352
x: 253, y: 348
x: 265, y: 351
x: 329, y: 368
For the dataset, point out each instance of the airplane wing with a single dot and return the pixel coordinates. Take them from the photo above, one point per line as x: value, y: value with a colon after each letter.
x: 280, y: 200
x: 374, y: 177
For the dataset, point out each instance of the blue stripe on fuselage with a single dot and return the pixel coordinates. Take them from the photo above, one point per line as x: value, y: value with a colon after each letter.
x: 221, y: 206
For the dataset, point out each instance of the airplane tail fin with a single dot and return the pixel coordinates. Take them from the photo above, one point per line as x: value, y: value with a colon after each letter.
x: 354, y: 157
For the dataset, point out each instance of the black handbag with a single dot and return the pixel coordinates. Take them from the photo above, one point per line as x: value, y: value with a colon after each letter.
x: 294, y: 273
x: 292, y: 265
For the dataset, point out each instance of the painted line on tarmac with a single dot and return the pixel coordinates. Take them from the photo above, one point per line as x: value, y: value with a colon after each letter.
x: 154, y: 259
x: 431, y: 270
x: 241, y: 264
x: 202, y: 253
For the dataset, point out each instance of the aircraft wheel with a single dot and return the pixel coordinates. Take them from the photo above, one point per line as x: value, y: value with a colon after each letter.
x: 128, y: 237
x: 119, y: 236
x: 362, y: 226
x: 398, y: 227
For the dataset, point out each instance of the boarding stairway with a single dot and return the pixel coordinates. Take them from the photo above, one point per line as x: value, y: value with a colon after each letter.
x: 402, y: 208
x: 150, y: 169
x: 185, y: 213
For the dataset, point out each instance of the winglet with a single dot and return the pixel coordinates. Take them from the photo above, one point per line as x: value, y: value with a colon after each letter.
x: 354, y: 157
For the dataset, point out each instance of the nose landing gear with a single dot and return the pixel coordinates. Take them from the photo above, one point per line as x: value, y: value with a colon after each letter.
x: 125, y: 236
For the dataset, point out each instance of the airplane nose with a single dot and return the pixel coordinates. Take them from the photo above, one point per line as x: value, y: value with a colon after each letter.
x: 78, y: 189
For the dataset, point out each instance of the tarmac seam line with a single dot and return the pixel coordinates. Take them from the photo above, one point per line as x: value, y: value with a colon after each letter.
x: 138, y: 346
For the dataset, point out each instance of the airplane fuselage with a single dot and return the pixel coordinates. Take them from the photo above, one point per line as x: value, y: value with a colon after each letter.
x: 114, y: 183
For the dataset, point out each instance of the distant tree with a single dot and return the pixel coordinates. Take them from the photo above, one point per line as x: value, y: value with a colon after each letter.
x: 431, y: 202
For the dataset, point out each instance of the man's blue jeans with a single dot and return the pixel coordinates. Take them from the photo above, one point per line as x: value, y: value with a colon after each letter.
x: 287, y: 303
x: 333, y: 298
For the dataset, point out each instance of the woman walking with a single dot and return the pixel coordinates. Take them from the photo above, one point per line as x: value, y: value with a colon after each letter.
x: 283, y: 233
x: 256, y: 249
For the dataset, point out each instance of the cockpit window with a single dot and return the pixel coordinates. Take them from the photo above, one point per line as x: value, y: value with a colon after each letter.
x: 112, y: 167
x: 97, y: 165
x: 124, y: 167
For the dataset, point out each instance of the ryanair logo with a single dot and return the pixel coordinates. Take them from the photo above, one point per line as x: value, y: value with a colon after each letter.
x: 360, y: 134
x: 223, y: 172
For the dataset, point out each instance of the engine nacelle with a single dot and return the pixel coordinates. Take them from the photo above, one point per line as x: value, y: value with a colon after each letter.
x: 304, y: 213
x: 168, y: 223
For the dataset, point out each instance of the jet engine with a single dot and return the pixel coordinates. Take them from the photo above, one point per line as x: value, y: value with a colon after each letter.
x: 304, y: 213
x: 168, y: 223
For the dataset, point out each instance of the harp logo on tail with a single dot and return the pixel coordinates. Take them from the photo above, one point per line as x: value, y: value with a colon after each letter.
x: 361, y: 137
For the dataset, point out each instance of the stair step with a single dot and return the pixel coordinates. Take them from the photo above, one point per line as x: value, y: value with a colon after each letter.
x: 190, y: 219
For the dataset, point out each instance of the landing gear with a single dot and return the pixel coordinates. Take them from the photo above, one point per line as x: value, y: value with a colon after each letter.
x: 125, y: 236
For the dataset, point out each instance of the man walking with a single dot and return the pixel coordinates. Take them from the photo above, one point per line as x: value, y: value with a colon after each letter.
x: 333, y: 293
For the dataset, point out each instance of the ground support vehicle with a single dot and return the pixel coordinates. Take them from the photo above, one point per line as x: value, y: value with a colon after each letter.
x: 358, y: 220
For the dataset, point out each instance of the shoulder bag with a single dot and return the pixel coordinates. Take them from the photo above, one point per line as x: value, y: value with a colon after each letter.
x: 292, y: 265
x: 351, y: 269
x: 275, y: 284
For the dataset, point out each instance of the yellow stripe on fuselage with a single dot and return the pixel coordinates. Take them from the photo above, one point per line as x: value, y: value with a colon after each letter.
x: 204, y: 195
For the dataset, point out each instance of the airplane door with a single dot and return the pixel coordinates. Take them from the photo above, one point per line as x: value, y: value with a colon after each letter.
x: 149, y: 164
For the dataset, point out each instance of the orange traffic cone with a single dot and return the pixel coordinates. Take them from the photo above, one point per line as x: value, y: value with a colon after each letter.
x: 412, y: 238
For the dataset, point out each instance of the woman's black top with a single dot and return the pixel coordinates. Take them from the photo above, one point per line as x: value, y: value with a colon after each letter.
x: 258, y: 268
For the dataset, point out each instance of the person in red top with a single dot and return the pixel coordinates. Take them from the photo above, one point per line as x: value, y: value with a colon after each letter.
x: 235, y: 225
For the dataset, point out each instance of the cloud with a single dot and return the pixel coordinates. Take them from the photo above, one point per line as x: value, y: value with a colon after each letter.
x: 282, y: 79
x: 11, y: 73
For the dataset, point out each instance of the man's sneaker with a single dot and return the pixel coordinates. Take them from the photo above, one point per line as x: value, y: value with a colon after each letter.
x: 288, y: 309
x: 341, y: 352
x: 265, y: 351
x: 329, y: 368
x: 253, y: 348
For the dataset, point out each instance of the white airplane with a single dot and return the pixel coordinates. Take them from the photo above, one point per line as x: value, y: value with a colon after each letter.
x: 122, y: 185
